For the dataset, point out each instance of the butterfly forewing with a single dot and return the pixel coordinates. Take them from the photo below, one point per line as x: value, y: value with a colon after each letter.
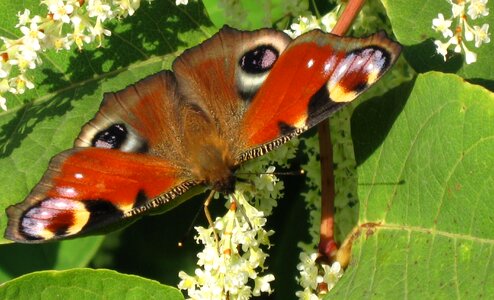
x: 317, y: 74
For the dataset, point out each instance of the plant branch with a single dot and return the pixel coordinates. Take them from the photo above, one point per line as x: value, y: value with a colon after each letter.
x: 327, y: 244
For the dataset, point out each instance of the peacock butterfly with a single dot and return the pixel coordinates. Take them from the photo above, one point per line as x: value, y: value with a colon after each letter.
x: 230, y: 99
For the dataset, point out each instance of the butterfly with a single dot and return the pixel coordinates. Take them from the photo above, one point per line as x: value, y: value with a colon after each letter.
x: 236, y: 96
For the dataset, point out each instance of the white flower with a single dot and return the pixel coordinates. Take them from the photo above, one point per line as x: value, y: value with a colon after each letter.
x: 24, y: 58
x: 481, y: 35
x: 187, y: 282
x: 127, y: 7
x: 328, y: 21
x: 78, y: 36
x: 469, y: 32
x: 442, y: 48
x: 267, y: 181
x: 19, y: 84
x: 23, y: 18
x: 458, y: 9
x: 441, y: 25
x: 98, y: 31
x: 310, y: 276
x: 4, y: 68
x: 262, y: 285
x: 4, y: 85
x: 96, y: 8
x: 477, y: 8
x: 32, y: 36
x: 308, y: 270
x: 181, y: 2
x: 3, y: 104
x: 61, y: 11
x: 60, y: 43
x: 304, y: 25
x: 332, y: 274
x: 307, y: 294
x: 470, y: 57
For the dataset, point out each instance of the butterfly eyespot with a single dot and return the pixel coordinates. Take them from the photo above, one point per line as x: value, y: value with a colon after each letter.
x: 118, y: 136
x: 259, y: 60
x: 110, y: 138
x: 253, y: 69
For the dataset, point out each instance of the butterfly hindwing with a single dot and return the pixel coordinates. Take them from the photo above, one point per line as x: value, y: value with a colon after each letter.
x: 88, y: 188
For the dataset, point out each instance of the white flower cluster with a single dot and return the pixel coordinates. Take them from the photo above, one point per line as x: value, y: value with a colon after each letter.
x: 307, y: 23
x: 67, y: 22
x: 227, y: 267
x: 462, y: 10
x: 313, y: 275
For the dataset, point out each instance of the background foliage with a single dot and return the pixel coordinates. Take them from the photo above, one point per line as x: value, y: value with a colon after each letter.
x: 424, y: 150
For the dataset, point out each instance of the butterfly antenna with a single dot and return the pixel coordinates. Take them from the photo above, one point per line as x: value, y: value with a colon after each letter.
x: 186, y: 234
x: 208, y: 217
x: 300, y: 172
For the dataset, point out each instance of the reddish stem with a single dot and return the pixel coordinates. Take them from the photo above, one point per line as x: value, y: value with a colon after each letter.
x: 327, y: 244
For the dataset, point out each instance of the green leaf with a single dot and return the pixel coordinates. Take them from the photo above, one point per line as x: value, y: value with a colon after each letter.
x: 18, y: 259
x: 426, y: 182
x: 248, y: 14
x: 85, y: 284
x: 70, y: 87
x: 412, y: 25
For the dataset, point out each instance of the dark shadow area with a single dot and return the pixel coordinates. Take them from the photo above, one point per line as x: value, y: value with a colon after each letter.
x: 423, y: 58
x: 30, y: 115
x: 372, y: 120
x: 20, y: 259
x: 290, y: 221
x: 149, y: 247
x: 488, y: 84
x: 131, y: 42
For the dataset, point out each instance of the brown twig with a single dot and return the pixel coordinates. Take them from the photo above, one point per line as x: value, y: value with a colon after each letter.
x: 327, y: 244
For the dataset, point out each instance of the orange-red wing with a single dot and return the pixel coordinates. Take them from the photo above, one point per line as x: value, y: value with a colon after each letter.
x: 87, y: 188
x: 315, y: 75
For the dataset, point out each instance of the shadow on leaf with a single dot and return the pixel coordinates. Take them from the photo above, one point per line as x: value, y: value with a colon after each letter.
x: 372, y: 120
x: 423, y: 58
x: 19, y: 259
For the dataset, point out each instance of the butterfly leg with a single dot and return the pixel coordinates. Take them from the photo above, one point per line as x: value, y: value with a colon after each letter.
x: 208, y: 215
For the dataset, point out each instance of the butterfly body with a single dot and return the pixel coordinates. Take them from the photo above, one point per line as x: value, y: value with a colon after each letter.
x: 235, y: 97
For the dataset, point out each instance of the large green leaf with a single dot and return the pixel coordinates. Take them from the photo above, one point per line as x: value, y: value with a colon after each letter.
x: 412, y: 25
x: 426, y: 179
x: 85, y: 284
